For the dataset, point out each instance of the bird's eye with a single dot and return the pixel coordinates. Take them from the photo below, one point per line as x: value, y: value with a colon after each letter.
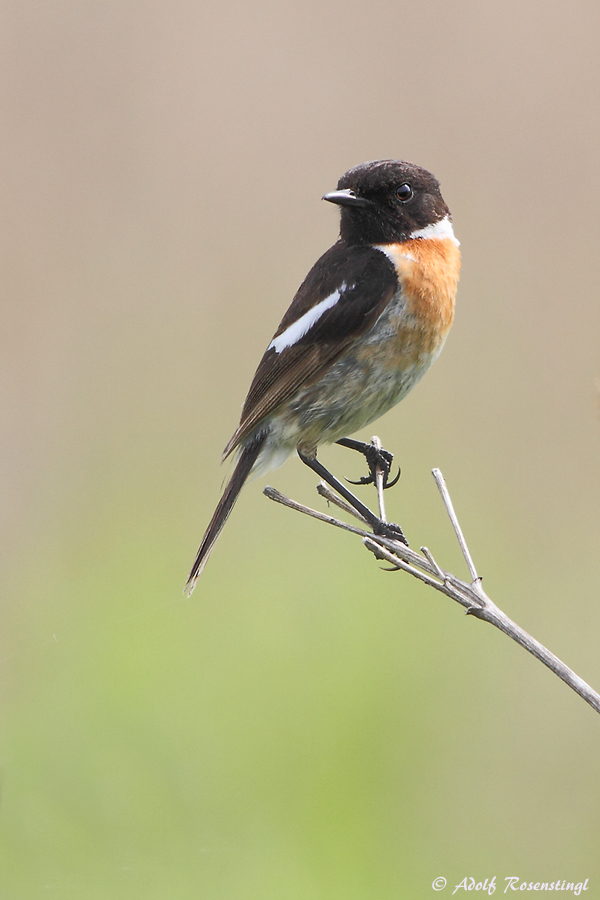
x: 404, y: 193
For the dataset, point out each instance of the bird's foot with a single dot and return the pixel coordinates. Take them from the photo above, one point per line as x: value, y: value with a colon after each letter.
x: 377, y: 460
x: 389, y: 530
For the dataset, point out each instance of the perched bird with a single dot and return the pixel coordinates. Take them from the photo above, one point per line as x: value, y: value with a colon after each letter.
x: 365, y: 325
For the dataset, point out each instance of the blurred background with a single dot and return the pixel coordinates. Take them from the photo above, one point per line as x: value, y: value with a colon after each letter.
x: 305, y: 726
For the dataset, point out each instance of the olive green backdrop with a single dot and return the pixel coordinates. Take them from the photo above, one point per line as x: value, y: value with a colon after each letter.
x: 305, y: 726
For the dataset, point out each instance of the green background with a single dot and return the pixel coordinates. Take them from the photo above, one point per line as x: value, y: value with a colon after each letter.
x: 305, y: 726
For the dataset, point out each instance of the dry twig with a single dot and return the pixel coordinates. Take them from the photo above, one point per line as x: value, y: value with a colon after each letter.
x: 424, y: 567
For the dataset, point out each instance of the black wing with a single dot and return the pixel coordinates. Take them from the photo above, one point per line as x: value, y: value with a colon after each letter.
x: 358, y: 282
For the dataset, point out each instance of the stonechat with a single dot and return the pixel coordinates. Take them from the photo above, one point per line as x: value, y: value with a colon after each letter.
x: 365, y: 325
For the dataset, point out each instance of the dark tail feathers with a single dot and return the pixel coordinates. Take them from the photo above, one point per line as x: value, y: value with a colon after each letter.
x: 248, y: 457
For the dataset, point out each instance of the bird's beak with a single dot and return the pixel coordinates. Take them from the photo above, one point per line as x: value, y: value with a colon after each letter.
x: 346, y: 198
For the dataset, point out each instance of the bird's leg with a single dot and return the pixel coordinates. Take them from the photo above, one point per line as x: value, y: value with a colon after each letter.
x: 385, y: 529
x: 376, y: 458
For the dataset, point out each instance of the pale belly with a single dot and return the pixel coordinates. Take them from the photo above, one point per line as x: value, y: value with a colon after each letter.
x: 371, y: 378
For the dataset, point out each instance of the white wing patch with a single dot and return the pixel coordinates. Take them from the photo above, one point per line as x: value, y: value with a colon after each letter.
x: 298, y: 329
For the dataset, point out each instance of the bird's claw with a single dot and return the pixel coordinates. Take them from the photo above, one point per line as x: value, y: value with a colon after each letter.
x: 366, y: 479
x: 377, y: 460
x: 388, y: 484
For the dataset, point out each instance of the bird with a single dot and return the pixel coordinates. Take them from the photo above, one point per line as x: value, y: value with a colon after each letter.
x: 365, y: 325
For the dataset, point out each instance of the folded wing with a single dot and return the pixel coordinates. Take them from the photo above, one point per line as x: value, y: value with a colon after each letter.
x: 340, y: 300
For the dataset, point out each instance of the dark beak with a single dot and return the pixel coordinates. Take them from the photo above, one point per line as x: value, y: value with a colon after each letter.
x: 346, y: 198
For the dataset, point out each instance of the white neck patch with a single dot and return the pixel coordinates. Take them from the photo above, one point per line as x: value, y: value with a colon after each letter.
x: 441, y: 230
x: 392, y: 252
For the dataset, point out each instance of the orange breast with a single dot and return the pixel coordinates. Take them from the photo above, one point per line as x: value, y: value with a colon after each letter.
x: 428, y: 270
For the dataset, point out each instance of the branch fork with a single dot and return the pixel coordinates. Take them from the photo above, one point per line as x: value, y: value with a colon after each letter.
x: 423, y: 566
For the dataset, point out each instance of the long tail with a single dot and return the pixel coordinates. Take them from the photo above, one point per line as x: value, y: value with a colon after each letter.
x: 248, y: 457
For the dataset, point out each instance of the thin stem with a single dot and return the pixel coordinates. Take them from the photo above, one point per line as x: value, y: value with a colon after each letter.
x: 379, y: 477
x: 470, y: 596
x: 441, y: 483
x: 427, y: 553
x: 325, y: 491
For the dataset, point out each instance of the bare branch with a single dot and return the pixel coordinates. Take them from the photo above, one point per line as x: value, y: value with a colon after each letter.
x: 273, y: 494
x: 441, y: 483
x: 428, y: 555
x: 424, y: 567
x: 379, y: 481
x: 325, y: 491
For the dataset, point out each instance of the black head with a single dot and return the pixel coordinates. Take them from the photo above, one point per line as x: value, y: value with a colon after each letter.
x: 386, y: 201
